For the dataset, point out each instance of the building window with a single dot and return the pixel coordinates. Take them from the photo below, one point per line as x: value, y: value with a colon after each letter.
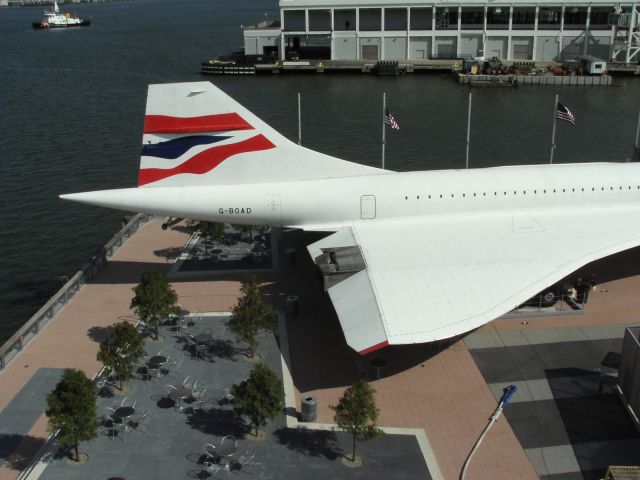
x: 395, y: 18
x: 446, y: 18
x: 472, y: 18
x: 575, y: 18
x: 549, y: 18
x: 370, y: 19
x: 344, y: 20
x: 421, y: 18
x: 523, y: 18
x: 320, y: 20
x: 599, y: 18
x: 294, y: 21
x: 497, y: 18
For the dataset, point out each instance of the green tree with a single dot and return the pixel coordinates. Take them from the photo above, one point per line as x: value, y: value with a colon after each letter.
x: 215, y: 231
x: 71, y: 409
x: 121, y: 350
x: 251, y: 314
x: 260, y: 397
x: 357, y: 413
x: 154, y: 299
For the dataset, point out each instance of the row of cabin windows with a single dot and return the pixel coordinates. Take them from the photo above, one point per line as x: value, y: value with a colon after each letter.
x: 524, y: 192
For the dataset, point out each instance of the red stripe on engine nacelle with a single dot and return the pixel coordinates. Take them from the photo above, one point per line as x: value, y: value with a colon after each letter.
x: 205, y: 161
x: 375, y: 347
x: 207, y: 123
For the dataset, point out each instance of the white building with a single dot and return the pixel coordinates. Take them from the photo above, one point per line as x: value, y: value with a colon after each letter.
x: 420, y: 30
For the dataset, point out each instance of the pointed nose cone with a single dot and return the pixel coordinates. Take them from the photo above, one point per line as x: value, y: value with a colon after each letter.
x: 122, y: 199
x: 149, y: 200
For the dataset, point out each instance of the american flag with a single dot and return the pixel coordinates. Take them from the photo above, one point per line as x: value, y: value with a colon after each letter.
x: 563, y: 113
x: 391, y: 120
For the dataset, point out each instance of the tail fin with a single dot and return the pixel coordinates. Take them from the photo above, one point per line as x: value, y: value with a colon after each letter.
x: 195, y: 134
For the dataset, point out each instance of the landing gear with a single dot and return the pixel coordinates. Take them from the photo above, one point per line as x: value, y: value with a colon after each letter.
x: 170, y: 223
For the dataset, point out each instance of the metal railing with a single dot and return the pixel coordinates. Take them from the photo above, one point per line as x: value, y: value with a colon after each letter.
x: 563, y: 304
x: 12, y: 347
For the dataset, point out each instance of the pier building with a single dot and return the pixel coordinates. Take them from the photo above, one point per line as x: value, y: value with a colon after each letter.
x: 516, y: 30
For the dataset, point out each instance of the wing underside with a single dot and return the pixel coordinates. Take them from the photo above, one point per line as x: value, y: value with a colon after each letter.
x: 432, y: 278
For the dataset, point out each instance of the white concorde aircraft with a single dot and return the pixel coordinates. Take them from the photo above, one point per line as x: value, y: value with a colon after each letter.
x: 444, y: 251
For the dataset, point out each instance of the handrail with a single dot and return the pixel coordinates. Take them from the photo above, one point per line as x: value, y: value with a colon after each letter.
x: 30, y: 329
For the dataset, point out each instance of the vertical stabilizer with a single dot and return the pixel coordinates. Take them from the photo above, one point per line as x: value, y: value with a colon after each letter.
x: 195, y: 134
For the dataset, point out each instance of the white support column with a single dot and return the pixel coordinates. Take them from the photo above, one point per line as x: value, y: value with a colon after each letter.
x: 333, y: 37
x: 433, y: 32
x: 560, y: 35
x: 306, y: 21
x: 459, y: 32
x: 358, y: 46
x: 408, y: 31
x: 282, y: 27
x: 484, y: 33
x: 631, y: 52
x: 510, y: 32
x: 535, y: 34
x: 587, y: 31
x: 382, y: 42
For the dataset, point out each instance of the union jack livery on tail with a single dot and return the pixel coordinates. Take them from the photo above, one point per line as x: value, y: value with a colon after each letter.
x: 443, y: 252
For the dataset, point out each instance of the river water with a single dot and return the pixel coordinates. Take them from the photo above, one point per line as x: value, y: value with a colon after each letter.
x: 72, y: 105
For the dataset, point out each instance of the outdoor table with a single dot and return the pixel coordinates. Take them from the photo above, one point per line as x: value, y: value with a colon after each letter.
x: 225, y: 451
x: 156, y: 362
x: 124, y: 413
x: 378, y: 364
x: 203, y: 338
x: 180, y: 393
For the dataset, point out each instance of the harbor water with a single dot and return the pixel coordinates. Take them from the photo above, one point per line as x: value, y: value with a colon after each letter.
x: 72, y: 104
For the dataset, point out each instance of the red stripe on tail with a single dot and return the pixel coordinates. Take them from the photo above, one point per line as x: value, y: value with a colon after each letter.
x: 205, y: 161
x: 207, y: 123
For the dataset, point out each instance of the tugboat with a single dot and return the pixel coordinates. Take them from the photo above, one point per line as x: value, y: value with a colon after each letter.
x: 55, y: 19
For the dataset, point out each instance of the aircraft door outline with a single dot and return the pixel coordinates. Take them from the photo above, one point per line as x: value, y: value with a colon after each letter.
x: 367, y: 207
x: 273, y: 211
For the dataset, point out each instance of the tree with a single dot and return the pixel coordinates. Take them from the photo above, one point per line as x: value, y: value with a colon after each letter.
x: 154, y: 299
x: 121, y: 350
x: 209, y: 229
x: 251, y: 314
x: 260, y: 397
x: 71, y: 409
x: 357, y: 413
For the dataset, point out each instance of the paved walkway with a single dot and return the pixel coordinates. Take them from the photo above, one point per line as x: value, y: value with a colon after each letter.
x: 71, y: 339
x: 440, y: 388
x: 435, y: 387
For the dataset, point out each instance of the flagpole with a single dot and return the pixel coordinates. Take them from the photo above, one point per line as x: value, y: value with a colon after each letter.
x: 553, y: 134
x: 636, y: 147
x: 468, y: 131
x: 384, y: 109
x: 299, y: 122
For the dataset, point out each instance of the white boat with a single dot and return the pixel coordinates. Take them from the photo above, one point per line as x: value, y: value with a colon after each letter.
x: 55, y: 19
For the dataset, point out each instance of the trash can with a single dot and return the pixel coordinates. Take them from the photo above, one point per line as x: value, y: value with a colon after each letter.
x: 309, y: 409
x: 293, y: 305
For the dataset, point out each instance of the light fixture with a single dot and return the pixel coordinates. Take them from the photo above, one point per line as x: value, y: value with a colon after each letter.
x: 498, y: 10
